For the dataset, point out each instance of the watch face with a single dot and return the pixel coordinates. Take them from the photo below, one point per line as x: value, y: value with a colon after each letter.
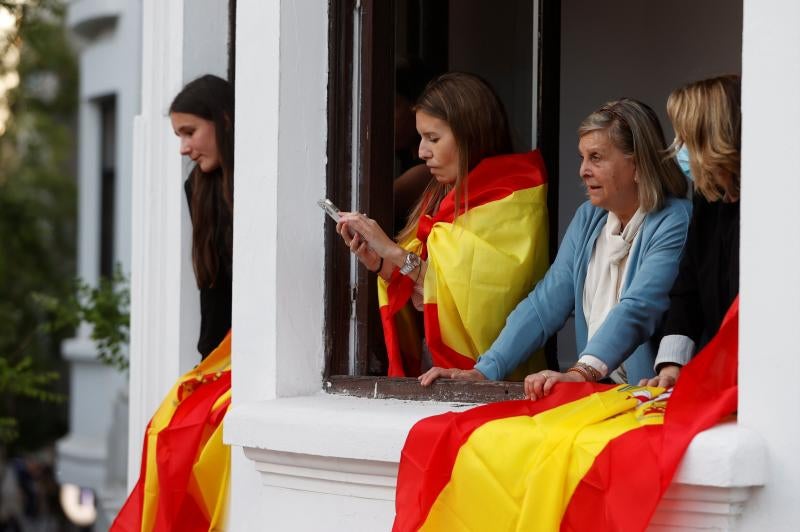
x: 411, y: 262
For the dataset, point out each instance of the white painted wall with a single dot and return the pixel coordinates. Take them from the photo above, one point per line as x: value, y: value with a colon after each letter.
x: 770, y: 253
x: 509, y: 64
x: 281, y: 82
x: 280, y: 174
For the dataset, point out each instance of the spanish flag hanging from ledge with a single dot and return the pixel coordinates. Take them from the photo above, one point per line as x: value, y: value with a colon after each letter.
x: 183, y: 484
x: 480, y: 266
x: 588, y: 457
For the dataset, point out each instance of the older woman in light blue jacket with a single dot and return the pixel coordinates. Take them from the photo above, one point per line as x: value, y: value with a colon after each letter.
x: 616, y: 264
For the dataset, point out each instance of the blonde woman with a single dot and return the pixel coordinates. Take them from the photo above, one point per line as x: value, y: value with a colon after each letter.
x: 616, y: 263
x: 707, y: 121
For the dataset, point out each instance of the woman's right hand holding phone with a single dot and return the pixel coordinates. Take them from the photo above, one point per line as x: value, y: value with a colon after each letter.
x: 369, y: 242
x: 358, y: 244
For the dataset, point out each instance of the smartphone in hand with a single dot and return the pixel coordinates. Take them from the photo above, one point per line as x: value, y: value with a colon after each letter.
x: 329, y: 208
x: 332, y: 211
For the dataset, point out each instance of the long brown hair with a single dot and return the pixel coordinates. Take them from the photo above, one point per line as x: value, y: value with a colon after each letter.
x: 707, y: 118
x: 633, y: 127
x: 480, y: 128
x: 211, y: 204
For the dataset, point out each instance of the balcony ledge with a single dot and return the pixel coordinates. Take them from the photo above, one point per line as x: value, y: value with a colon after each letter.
x: 727, y: 455
x: 350, y: 447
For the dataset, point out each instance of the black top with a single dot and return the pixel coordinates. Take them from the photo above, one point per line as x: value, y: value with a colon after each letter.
x: 708, y: 279
x: 215, y: 301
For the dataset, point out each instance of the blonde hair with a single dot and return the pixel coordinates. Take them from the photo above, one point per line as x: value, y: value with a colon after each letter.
x: 633, y: 127
x: 480, y: 128
x: 707, y: 119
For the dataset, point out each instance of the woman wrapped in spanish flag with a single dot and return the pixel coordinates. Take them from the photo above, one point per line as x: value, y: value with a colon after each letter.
x: 475, y: 243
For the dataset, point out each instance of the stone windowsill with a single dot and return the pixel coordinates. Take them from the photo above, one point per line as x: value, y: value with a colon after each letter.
x: 350, y: 428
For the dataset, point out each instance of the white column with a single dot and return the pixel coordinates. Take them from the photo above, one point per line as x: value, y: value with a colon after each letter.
x: 164, y: 297
x: 281, y: 86
x: 770, y: 254
x: 159, y: 350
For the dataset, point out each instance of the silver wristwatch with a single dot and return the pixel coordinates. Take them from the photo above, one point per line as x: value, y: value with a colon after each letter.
x: 411, y: 263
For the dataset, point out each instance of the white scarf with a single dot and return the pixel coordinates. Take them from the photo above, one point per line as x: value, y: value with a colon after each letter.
x: 607, y: 267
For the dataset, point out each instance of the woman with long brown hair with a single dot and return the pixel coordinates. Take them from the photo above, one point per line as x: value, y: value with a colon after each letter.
x: 474, y: 244
x: 202, y: 116
x: 185, y: 466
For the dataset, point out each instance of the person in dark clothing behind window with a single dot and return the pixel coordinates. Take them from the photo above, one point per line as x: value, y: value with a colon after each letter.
x: 202, y: 115
x: 706, y: 117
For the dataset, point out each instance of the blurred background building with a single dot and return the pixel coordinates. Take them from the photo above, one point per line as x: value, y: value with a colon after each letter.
x: 108, y: 38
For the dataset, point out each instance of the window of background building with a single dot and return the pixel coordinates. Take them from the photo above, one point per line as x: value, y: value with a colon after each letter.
x: 107, y: 107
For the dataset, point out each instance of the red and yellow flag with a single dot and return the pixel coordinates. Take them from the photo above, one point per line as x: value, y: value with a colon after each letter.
x: 183, y: 483
x: 480, y: 265
x: 587, y: 457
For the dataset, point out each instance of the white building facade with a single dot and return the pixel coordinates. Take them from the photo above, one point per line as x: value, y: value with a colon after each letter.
x: 304, y: 459
x: 108, y: 37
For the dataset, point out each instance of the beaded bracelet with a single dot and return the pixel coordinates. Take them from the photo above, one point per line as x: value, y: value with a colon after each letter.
x: 588, y: 372
x: 593, y: 371
x: 580, y: 371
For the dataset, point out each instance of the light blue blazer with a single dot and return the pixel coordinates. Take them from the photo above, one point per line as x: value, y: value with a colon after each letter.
x: 625, y: 335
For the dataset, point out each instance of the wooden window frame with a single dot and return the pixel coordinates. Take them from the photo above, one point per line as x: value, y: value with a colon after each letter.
x: 374, y: 160
x: 232, y: 42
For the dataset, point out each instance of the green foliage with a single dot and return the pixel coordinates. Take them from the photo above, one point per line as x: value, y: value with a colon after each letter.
x: 37, y: 215
x: 23, y: 380
x: 104, y: 307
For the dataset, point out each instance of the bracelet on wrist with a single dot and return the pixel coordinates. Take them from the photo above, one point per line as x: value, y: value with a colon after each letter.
x: 589, y: 373
x: 416, y: 280
x: 580, y: 371
x: 593, y: 371
x: 380, y: 267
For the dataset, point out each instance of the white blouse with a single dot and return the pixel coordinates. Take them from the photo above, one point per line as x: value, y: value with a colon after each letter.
x: 605, y: 277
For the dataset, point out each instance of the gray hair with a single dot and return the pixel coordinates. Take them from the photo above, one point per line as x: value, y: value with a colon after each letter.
x: 633, y: 127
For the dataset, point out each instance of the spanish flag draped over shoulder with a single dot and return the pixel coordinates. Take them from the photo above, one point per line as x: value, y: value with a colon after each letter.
x: 589, y: 457
x: 481, y: 263
x: 183, y: 484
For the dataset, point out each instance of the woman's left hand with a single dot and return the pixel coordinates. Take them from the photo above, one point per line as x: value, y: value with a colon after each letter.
x: 378, y: 241
x: 666, y: 378
x: 427, y: 378
x: 538, y: 385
